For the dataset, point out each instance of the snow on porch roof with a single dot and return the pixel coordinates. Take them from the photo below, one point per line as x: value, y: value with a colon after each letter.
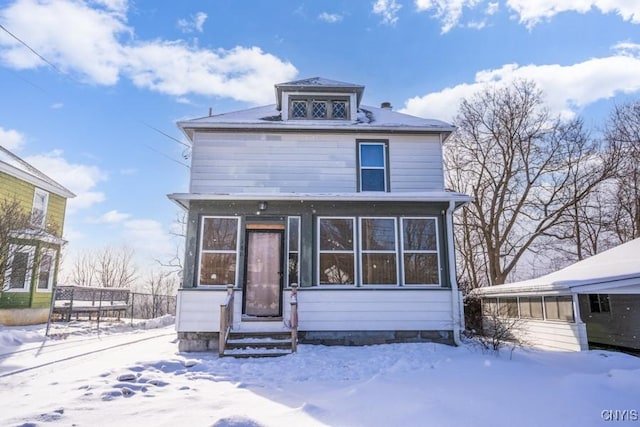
x: 618, y: 268
x: 183, y: 199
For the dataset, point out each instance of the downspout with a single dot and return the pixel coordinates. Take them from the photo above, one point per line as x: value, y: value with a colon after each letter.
x: 455, y: 295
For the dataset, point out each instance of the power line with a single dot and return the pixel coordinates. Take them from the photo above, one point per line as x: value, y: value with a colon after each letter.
x: 32, y: 50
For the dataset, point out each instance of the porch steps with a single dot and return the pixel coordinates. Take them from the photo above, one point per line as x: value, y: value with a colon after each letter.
x: 258, y: 344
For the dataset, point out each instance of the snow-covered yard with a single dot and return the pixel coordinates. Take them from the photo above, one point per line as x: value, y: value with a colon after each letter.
x: 126, y: 376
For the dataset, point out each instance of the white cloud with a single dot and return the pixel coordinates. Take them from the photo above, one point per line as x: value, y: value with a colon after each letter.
x: 150, y: 238
x: 80, y: 179
x: 532, y: 12
x: 331, y: 18
x: 102, y: 48
x: 194, y: 23
x: 57, y: 105
x: 11, y: 139
x: 448, y: 12
x: 174, y: 68
x: 388, y: 9
x: 567, y: 88
x: 492, y: 8
x: 111, y: 217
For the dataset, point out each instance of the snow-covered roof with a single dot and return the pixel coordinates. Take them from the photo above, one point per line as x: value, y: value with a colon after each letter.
x: 183, y: 199
x: 614, y: 271
x: 15, y: 166
x: 268, y: 117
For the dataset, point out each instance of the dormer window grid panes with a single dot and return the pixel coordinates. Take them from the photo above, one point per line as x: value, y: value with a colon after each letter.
x: 319, y: 109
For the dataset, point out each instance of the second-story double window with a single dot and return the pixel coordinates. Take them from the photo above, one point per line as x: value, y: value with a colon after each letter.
x: 373, y: 166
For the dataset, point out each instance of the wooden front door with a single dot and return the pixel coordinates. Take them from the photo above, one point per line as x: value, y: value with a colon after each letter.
x: 263, y: 274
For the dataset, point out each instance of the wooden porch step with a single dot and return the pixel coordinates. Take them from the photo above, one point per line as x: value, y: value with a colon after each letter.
x: 258, y: 344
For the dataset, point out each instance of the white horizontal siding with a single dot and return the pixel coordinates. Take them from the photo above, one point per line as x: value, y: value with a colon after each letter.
x: 371, y: 310
x: 549, y: 335
x: 327, y: 310
x: 307, y: 163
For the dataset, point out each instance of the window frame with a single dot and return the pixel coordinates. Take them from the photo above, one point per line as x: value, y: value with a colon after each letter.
x: 601, y: 301
x: 362, y: 251
x: 289, y: 251
x: 26, y: 286
x: 403, y: 251
x: 385, y: 168
x: 203, y: 251
x: 53, y: 253
x: 354, y: 252
x: 36, y: 220
x: 555, y: 299
x: 328, y: 102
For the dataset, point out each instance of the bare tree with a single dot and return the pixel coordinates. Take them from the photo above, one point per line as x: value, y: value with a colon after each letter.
x: 623, y: 133
x: 18, y: 229
x: 524, y: 169
x: 83, y: 270
x: 114, y: 268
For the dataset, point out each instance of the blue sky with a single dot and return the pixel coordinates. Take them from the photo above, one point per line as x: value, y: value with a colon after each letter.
x: 117, y: 69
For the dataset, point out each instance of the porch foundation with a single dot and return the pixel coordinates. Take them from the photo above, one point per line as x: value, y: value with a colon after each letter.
x: 347, y: 338
x: 198, y: 342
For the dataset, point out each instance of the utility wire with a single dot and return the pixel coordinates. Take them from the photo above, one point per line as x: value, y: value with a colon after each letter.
x: 32, y: 50
x: 58, y: 70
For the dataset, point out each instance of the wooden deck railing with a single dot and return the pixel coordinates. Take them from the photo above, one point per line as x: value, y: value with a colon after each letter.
x: 226, y: 320
x: 294, y: 317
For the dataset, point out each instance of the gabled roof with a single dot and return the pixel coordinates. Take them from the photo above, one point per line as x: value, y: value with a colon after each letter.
x: 614, y: 271
x: 268, y: 118
x: 15, y: 166
x: 317, y: 84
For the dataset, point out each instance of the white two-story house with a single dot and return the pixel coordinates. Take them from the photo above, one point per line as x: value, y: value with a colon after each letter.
x: 344, y: 202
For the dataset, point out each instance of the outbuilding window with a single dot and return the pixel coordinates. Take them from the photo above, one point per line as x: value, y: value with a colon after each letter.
x: 559, y: 308
x: 599, y: 303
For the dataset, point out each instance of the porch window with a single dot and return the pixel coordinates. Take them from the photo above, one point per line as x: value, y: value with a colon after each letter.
x: 489, y: 307
x: 337, y: 251
x: 18, y: 275
x: 46, y: 269
x: 559, y: 308
x: 420, y: 251
x: 508, y: 307
x: 293, y: 249
x: 599, y: 303
x: 219, y: 250
x: 378, y: 254
x: 531, y: 307
x: 372, y: 166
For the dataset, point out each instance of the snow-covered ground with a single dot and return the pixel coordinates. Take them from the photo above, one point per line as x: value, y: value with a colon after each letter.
x: 128, y: 376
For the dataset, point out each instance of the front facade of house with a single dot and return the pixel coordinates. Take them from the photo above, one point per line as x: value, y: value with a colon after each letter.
x: 30, y: 253
x: 344, y: 201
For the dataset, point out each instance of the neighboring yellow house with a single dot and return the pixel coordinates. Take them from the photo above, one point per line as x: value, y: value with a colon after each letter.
x: 30, y: 254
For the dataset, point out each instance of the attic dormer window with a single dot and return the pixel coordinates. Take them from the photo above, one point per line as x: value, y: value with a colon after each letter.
x: 319, y: 108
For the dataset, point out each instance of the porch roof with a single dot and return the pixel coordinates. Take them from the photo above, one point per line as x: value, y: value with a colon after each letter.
x: 184, y: 199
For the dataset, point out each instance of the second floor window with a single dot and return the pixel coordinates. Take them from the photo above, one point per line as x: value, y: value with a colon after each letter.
x: 39, y: 209
x: 319, y: 109
x: 373, y: 170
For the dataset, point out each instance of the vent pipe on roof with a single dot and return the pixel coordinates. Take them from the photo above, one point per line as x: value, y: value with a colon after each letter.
x: 386, y: 106
x: 210, y: 111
